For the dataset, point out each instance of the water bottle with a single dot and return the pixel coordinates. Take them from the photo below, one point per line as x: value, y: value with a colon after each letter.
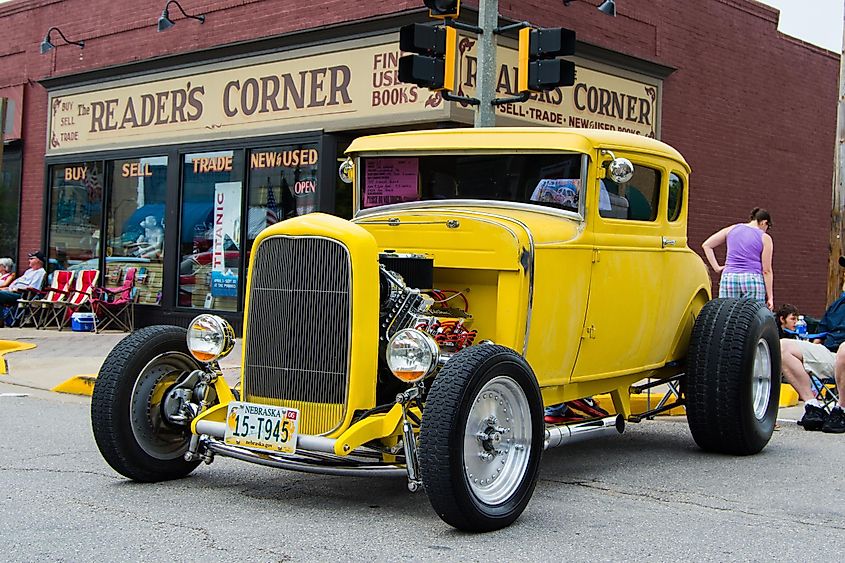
x: 801, y: 327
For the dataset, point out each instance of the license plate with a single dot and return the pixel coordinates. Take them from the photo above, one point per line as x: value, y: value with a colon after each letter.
x: 266, y: 427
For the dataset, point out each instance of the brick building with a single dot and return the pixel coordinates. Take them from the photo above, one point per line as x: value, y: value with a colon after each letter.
x: 118, y: 151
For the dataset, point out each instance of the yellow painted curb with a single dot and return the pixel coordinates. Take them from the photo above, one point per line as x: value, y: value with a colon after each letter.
x: 7, y: 346
x: 788, y: 395
x: 77, y: 385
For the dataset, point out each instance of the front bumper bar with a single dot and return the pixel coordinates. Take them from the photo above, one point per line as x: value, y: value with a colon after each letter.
x: 315, y: 454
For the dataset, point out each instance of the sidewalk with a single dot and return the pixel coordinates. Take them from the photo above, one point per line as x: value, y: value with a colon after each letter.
x: 59, y: 356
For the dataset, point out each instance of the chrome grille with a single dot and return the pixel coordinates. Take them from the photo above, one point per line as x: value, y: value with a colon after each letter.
x: 298, y: 329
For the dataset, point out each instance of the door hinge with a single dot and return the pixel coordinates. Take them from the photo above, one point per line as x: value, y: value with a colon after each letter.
x: 596, y: 255
x: 590, y: 332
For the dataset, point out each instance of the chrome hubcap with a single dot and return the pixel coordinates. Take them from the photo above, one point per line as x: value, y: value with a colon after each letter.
x: 497, y: 440
x: 761, y: 383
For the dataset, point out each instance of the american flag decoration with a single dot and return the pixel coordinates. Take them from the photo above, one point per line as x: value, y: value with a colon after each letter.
x: 93, y: 185
x: 272, y: 209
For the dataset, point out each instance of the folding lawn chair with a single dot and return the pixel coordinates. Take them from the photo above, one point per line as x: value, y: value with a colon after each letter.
x: 56, y: 294
x: 823, y: 387
x: 79, y: 299
x: 115, y: 306
x: 18, y: 313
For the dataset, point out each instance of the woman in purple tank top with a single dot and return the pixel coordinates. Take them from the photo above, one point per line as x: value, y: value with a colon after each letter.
x: 748, y: 263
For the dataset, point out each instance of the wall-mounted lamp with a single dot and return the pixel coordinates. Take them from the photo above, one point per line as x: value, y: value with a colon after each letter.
x: 46, y: 45
x: 607, y: 7
x: 164, y: 21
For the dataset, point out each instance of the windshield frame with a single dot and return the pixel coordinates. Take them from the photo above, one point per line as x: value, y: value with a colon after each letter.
x: 360, y: 211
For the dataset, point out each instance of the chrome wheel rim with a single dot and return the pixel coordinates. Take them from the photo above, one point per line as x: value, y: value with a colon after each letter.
x: 154, y: 435
x: 497, y: 440
x: 761, y: 383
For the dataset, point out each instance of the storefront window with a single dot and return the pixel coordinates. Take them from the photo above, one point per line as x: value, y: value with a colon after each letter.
x: 282, y: 184
x: 210, y: 245
x: 136, y: 225
x: 76, y: 207
x: 10, y: 196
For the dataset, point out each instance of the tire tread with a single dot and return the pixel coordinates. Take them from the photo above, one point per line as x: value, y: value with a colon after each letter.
x: 108, y: 421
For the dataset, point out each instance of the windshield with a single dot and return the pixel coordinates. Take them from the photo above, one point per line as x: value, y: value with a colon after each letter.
x: 549, y: 179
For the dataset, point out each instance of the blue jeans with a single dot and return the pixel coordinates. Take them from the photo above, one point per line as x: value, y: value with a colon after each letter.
x: 9, y: 297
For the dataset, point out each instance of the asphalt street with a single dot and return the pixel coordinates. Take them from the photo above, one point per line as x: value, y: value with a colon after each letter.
x: 648, y: 494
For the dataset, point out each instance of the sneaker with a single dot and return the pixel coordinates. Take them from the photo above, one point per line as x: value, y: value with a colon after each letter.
x: 589, y: 407
x: 814, y: 417
x: 560, y: 413
x: 835, y: 423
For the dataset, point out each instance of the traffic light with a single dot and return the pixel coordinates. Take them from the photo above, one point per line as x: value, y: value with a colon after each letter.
x: 433, y: 66
x: 539, y: 67
x: 443, y: 9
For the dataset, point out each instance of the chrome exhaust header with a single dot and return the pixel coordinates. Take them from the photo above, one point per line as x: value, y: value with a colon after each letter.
x: 558, y: 435
x: 325, y: 465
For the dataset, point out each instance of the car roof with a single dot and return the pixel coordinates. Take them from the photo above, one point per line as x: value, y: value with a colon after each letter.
x: 540, y: 138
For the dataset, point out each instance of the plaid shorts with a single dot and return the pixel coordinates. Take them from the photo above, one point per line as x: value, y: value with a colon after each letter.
x: 750, y: 286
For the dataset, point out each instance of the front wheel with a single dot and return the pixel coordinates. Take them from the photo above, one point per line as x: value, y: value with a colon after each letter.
x: 732, y: 385
x: 127, y: 417
x: 481, y: 439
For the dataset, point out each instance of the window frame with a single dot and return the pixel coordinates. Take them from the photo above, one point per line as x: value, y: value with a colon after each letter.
x: 657, y: 203
x: 359, y: 211
x: 681, y: 196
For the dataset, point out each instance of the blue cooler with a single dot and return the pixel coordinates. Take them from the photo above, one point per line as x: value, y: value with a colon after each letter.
x: 82, y: 322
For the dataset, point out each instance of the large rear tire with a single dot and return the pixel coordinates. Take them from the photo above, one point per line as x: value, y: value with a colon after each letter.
x: 126, y: 416
x: 732, y: 385
x: 481, y: 439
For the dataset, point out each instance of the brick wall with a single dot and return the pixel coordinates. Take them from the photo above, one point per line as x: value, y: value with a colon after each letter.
x: 753, y: 111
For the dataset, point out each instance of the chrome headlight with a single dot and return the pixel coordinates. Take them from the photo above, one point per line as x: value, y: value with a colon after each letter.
x: 411, y: 355
x: 210, y: 338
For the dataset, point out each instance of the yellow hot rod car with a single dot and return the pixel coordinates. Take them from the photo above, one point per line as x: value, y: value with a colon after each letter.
x: 487, y: 273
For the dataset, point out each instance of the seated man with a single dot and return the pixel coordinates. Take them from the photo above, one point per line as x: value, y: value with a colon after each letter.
x: 825, y: 358
x: 787, y: 317
x: 31, y: 279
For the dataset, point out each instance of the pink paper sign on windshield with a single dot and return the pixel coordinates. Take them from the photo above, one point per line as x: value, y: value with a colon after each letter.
x: 390, y: 180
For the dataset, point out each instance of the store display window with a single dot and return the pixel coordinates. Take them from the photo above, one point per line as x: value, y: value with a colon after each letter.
x: 76, y: 208
x: 10, y: 195
x: 282, y: 184
x: 136, y: 225
x: 210, y: 227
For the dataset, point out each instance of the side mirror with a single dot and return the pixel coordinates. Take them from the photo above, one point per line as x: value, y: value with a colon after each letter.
x: 620, y: 170
x: 346, y: 172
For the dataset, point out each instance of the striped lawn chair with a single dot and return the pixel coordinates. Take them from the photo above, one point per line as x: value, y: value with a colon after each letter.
x: 33, y: 309
x: 79, y: 299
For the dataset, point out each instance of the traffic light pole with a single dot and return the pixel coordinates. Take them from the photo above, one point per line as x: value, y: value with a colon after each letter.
x: 485, y: 74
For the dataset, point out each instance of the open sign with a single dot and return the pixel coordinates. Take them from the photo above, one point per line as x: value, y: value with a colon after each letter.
x: 304, y: 187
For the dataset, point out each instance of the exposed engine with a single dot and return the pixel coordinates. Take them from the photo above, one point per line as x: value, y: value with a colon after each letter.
x: 427, y: 310
x: 408, y: 301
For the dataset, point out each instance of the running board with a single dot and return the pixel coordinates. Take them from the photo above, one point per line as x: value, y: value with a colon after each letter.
x: 558, y: 435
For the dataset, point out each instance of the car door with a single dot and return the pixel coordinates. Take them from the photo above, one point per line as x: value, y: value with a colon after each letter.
x: 624, y: 303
